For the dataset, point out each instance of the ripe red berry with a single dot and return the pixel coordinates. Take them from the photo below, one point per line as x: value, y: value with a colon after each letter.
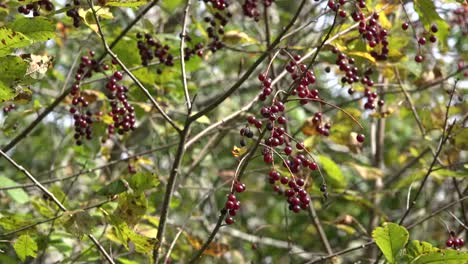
x: 360, y: 138
x: 449, y: 242
x: 434, y: 28
x: 422, y: 40
x: 419, y: 58
x: 313, y: 166
x: 405, y: 26
x: 229, y: 220
x: 240, y: 187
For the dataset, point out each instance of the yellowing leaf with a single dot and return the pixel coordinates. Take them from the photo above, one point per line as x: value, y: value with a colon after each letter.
x: 88, y: 16
x: 233, y: 37
x: 364, y: 55
x: 367, y: 173
x: 214, y: 249
x: 383, y: 114
x: 236, y: 151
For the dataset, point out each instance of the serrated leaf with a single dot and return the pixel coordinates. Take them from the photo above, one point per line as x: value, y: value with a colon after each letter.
x: 24, y: 247
x: 18, y: 195
x: 35, y: 28
x: 142, y: 181
x: 10, y: 39
x: 88, y: 16
x: 390, y: 238
x: 416, y: 248
x: 78, y: 223
x: 334, y: 174
x: 6, y: 93
x: 126, y: 3
x: 131, y: 208
x: 12, y: 69
x: 442, y: 257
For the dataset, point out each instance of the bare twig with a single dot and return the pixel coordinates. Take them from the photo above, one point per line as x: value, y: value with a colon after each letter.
x: 182, y: 56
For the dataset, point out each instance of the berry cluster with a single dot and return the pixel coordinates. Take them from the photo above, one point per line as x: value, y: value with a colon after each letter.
x: 218, y: 4
x: 295, y: 194
x: 35, y: 7
x: 232, y: 204
x: 216, y: 28
x: 122, y: 113
x: 374, y: 34
x: 72, y: 12
x: 454, y: 242
x: 7, y: 109
x: 422, y: 39
x: 250, y: 8
x: 460, y: 18
x: 150, y: 48
x: 346, y: 65
x: 79, y: 109
x: 337, y: 6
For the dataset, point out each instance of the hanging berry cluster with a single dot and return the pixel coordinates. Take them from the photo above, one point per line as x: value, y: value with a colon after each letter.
x: 374, y: 34
x: 250, y: 8
x: 122, y: 113
x: 7, y: 109
x: 72, y: 12
x: 232, y: 204
x: 36, y: 7
x: 216, y: 28
x: 150, y: 48
x: 295, y: 193
x: 422, y: 39
x: 454, y: 242
x: 351, y: 72
x: 82, y: 116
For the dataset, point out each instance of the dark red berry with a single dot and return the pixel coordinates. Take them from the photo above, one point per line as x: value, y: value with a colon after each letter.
x: 360, y: 138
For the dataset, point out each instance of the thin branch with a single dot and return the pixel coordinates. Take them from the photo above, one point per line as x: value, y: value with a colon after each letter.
x: 110, y: 163
x: 443, y: 139
x: 129, y: 73
x: 54, y: 199
x: 410, y: 102
x: 182, y: 57
x: 316, y: 221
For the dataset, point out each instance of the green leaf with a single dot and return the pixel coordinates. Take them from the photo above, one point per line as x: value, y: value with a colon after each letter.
x: 416, y: 248
x: 131, y: 208
x: 6, y: 93
x: 12, y: 69
x: 124, y: 234
x: 127, y: 261
x: 35, y: 28
x: 10, y: 222
x: 442, y: 257
x: 25, y: 246
x: 333, y: 171
x: 126, y: 3
x: 78, y: 223
x: 115, y: 187
x: 390, y: 238
x: 170, y: 5
x: 10, y: 39
x: 142, y: 181
x: 18, y: 195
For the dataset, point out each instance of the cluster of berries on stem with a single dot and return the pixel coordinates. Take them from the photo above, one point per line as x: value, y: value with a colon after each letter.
x: 250, y: 8
x: 150, y: 48
x: 72, y: 12
x: 36, y: 7
x: 422, y: 39
x: 232, y: 204
x: 7, y: 109
x: 454, y: 242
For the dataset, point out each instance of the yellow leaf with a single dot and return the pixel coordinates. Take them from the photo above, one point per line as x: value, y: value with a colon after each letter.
x: 364, y: 55
x: 367, y: 173
x: 236, y: 151
x: 233, y: 37
x: 383, y: 114
x: 214, y: 249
